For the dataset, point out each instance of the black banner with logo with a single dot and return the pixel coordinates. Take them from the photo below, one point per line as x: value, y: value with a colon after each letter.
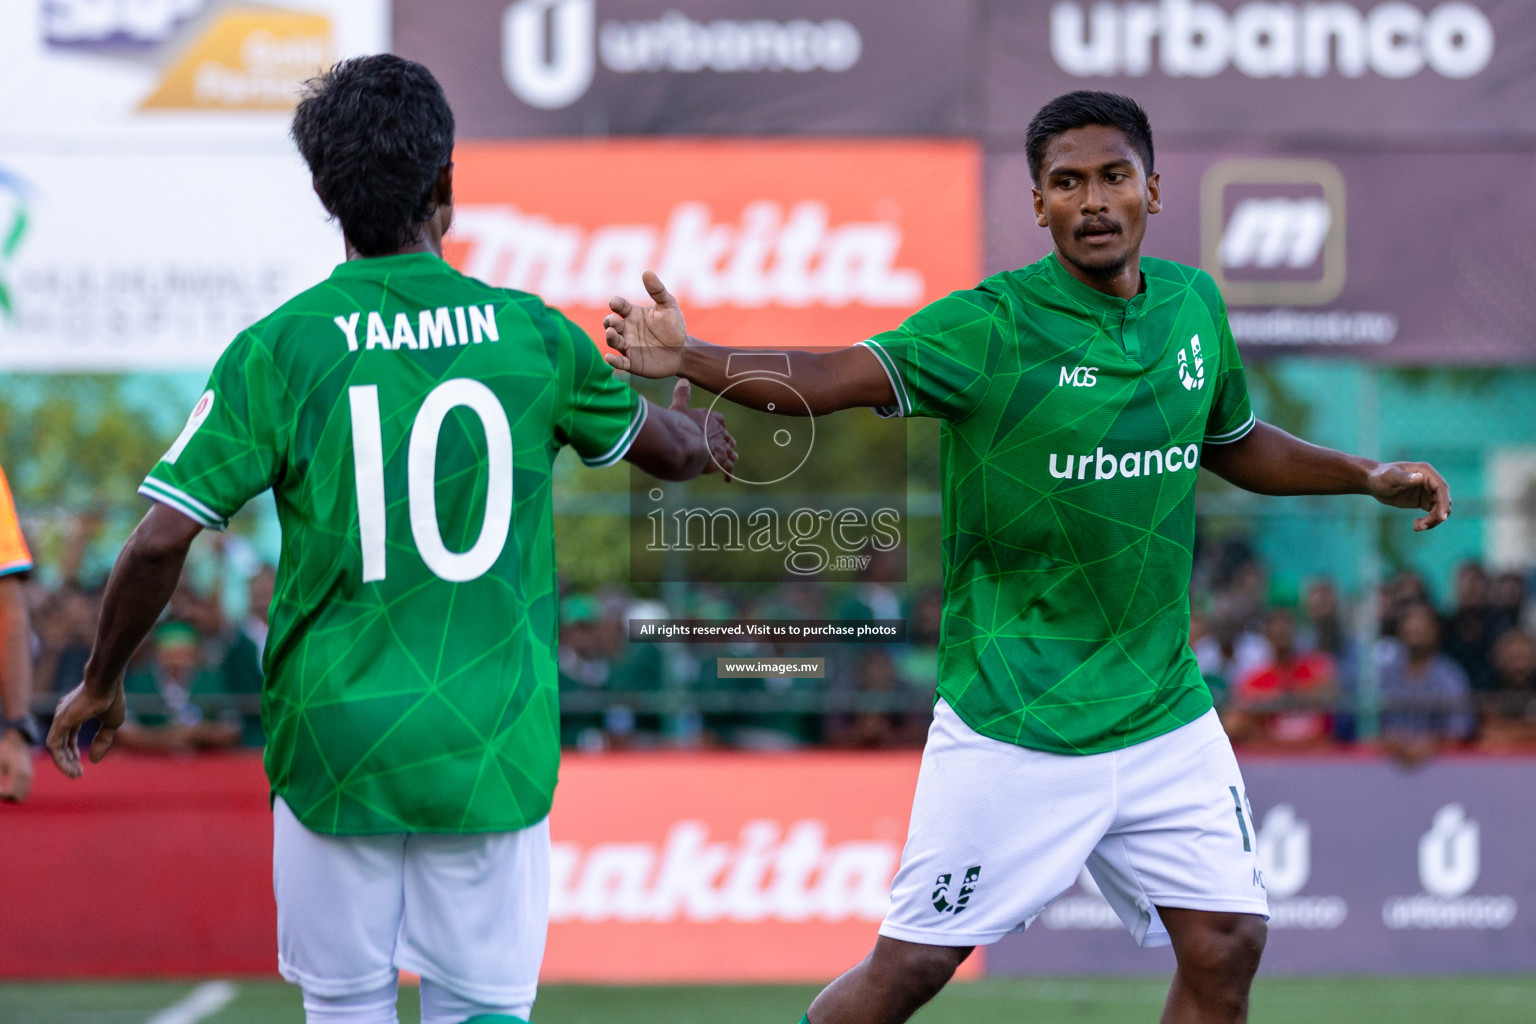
x: 1390, y: 255
x: 1348, y: 70
x: 1348, y: 170
x: 714, y: 67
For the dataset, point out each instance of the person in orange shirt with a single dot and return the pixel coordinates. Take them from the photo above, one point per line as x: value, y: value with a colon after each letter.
x: 19, y: 733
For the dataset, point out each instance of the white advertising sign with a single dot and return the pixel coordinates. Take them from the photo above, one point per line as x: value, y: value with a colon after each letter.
x: 150, y: 262
x: 83, y: 73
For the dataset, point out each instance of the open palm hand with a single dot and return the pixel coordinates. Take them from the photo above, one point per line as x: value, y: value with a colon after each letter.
x: 647, y: 341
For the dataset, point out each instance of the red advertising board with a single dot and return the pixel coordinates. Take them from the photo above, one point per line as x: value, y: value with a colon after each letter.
x: 783, y: 243
x: 724, y: 867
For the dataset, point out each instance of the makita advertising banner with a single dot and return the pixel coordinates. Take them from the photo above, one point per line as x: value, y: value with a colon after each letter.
x: 712, y: 67
x: 1370, y: 868
x: 687, y: 868
x: 778, y: 243
x: 1396, y: 256
x: 1349, y: 70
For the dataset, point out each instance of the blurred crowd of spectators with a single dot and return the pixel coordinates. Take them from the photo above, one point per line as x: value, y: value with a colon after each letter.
x: 1286, y: 674
x: 1294, y: 677
x: 194, y: 685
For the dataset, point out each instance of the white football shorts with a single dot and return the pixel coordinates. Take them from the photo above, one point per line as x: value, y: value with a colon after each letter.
x: 469, y: 912
x: 1000, y: 831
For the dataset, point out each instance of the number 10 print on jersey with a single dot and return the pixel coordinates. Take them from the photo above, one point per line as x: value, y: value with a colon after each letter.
x: 368, y: 454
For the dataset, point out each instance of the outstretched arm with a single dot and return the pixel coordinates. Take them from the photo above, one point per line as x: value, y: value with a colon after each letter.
x: 138, y: 590
x: 652, y: 341
x: 1267, y: 460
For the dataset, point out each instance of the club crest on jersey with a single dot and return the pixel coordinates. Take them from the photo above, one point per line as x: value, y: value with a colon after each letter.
x: 1192, y: 366
x: 967, y: 886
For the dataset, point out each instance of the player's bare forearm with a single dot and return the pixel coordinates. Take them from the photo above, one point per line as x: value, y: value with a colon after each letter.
x: 141, y: 584
x: 670, y: 446
x: 846, y: 378
x: 653, y: 341
x: 1269, y: 461
x: 680, y: 443
x: 138, y: 590
x: 15, y: 644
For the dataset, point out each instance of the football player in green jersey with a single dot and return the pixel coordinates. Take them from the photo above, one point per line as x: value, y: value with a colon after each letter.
x: 407, y: 419
x: 1079, y: 396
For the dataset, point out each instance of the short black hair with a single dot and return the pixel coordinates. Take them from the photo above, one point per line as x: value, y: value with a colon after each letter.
x: 376, y: 132
x: 1081, y: 109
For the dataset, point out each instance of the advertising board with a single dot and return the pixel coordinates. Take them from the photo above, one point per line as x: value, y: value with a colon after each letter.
x: 1394, y: 256
x: 157, y: 261
x: 782, y: 243
x: 703, y: 867
x: 150, y: 261
x: 539, y: 68
x: 1370, y: 869
x: 1351, y: 71
x: 201, y: 73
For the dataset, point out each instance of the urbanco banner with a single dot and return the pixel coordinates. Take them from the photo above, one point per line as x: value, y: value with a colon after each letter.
x: 1350, y: 70
x: 524, y: 68
x: 765, y: 243
x: 1370, y: 869
x: 1393, y: 256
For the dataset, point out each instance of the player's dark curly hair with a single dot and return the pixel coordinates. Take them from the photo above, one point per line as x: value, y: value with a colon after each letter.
x: 1081, y: 109
x: 376, y: 132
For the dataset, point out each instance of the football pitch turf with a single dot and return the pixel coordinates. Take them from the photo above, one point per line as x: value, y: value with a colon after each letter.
x: 1500, y: 999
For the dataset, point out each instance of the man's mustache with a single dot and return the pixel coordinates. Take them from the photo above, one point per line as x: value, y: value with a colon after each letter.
x: 1096, y: 225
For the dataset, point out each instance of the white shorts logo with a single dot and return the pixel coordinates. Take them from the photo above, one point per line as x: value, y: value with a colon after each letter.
x: 200, y: 413
x: 941, y: 891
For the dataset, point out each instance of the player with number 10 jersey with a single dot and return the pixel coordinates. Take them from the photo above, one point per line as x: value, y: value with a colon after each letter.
x: 407, y: 420
x: 410, y: 671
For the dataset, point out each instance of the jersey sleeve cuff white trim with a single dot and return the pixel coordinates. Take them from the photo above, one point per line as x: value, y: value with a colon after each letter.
x: 622, y: 445
x: 165, y: 494
x: 19, y: 565
x: 903, y: 406
x: 1234, y: 435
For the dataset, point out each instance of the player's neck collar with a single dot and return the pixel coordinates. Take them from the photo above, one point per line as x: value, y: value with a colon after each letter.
x: 1092, y: 297
x: 370, y: 266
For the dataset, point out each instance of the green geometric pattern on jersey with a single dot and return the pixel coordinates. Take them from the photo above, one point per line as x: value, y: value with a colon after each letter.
x: 1073, y: 421
x: 409, y: 702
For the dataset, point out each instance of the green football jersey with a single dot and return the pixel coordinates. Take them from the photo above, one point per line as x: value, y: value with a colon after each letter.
x: 1073, y: 425
x: 407, y: 419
